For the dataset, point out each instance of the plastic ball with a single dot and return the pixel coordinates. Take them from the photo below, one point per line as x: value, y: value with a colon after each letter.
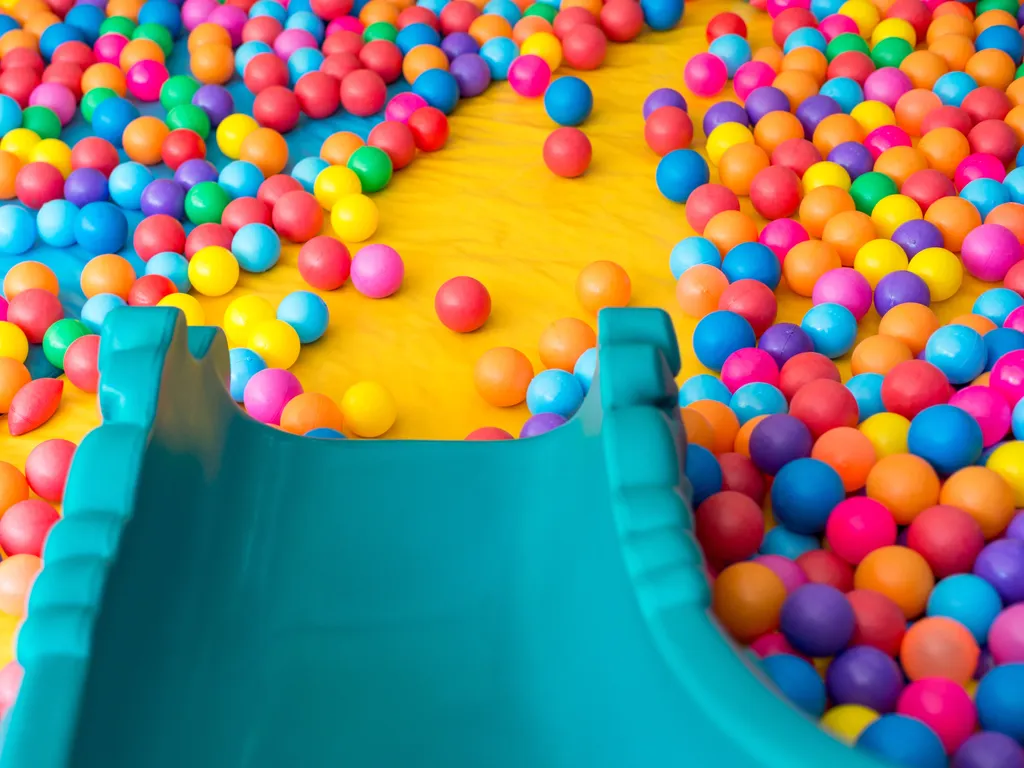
x: 377, y: 271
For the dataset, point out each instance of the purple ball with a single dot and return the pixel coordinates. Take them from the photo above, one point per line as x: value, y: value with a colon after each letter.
x: 916, y: 235
x: 194, y: 171
x: 815, y: 109
x: 215, y: 101
x: 867, y: 676
x: 84, y: 186
x: 1016, y: 527
x: 663, y: 97
x: 817, y: 620
x: 901, y: 287
x: 1001, y: 564
x: 989, y: 749
x: 541, y: 423
x: 724, y: 112
x: 778, y: 440
x: 471, y: 73
x: 785, y: 340
x: 765, y: 99
x: 164, y: 196
x: 854, y: 157
x: 458, y: 43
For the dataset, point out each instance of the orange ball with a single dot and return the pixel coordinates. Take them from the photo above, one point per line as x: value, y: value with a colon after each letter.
x: 949, y: 25
x: 207, y: 33
x: 140, y: 49
x: 955, y: 218
x: 747, y: 599
x: 310, y: 410
x: 13, y: 376
x: 127, y: 8
x: 944, y: 149
x: 821, y: 205
x: 724, y: 424
x: 698, y: 428
x: 108, y: 273
x: 906, y: 484
x: 769, y: 55
x: 338, y: 147
x: 1009, y: 215
x: 39, y: 22
x: 984, y: 495
x: 937, y: 646
x: 13, y: 485
x: 992, y: 67
x: 899, y: 573
x: 420, y: 59
x: 699, y: 289
x: 775, y: 128
x: 143, y: 138
x: 378, y: 10
x: 879, y: 354
x: 30, y: 274
x: 835, y: 130
x: 898, y: 163
x: 594, y: 6
x: 489, y: 26
x: 798, y: 85
x: 23, y: 10
x: 266, y: 149
x: 955, y: 50
x: 742, y: 442
x: 213, y: 64
x: 526, y: 26
x: 603, y: 284
x: 1015, y: 118
x: 953, y: 8
x: 913, y: 106
x: 849, y: 452
x: 17, y: 573
x: 104, y: 75
x: 806, y: 262
x: 10, y: 164
x: 17, y: 38
x: 562, y: 343
x: 501, y: 376
x: 924, y: 68
x: 808, y: 60
x: 911, y: 323
x: 994, y: 18
x: 979, y: 323
x: 847, y: 233
x: 728, y: 229
x: 739, y: 164
x: 1016, y: 92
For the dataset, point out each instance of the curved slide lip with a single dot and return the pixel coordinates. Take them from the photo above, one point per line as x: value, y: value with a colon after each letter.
x: 729, y: 713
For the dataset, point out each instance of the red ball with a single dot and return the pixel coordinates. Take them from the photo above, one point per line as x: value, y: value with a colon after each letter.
x: 568, y: 19
x: 324, y: 263
x: 1014, y: 279
x: 926, y: 186
x: 668, y: 128
x: 796, y: 154
x: 328, y: 10
x: 25, y: 526
x: 947, y: 117
x: 34, y: 311
x: 706, y: 201
x: 38, y: 183
x: 429, y: 128
x: 363, y: 93
x: 156, y: 234
x: 567, y: 151
x: 67, y: 74
x: 319, y: 94
x: 343, y: 41
x: 790, y: 20
x: 276, y: 187
x: 739, y: 474
x: 149, y: 289
x: 18, y: 83
x: 803, y: 368
x: 878, y: 621
x: 338, y: 65
x: 622, y: 20
x: 276, y: 107
x: 729, y: 526
x: 457, y: 16
x: 824, y: 404
x: 852, y: 64
x: 775, y: 192
x: 245, y: 210
x: 753, y: 301
x: 180, y: 145
x: 22, y: 57
x: 584, y: 47
x: 489, y: 433
x: 462, y: 304
x: 396, y: 140
x: 74, y: 52
x: 263, y: 29
x: 857, y: 527
x: 948, y: 538
x: 207, y: 234
x: 725, y: 24
x: 825, y: 567
x: 986, y: 103
x: 265, y: 70
x: 417, y: 14
x: 297, y: 216
x: 81, y: 362
x: 914, y: 12
x: 46, y: 469
x: 94, y: 152
x: 384, y: 58
x: 994, y: 137
x: 912, y: 386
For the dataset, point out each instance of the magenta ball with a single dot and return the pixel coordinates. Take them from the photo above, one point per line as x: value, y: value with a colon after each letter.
x: 745, y: 366
x: 57, y: 97
x: 529, y: 76
x: 944, y: 706
x: 268, y: 392
x: 989, y: 251
x: 231, y: 18
x: 844, y: 286
x: 781, y: 235
x: 886, y: 85
x: 109, y: 46
x: 1005, y: 637
x: 886, y: 137
x: 835, y: 25
x: 145, y: 78
x: 1007, y: 376
x: 377, y: 271
x: 345, y: 24
x: 1015, y: 320
x: 402, y: 105
x: 289, y: 41
x: 978, y: 166
x: 705, y: 74
x: 988, y: 407
x: 195, y: 12
x: 750, y: 76
x: 789, y: 571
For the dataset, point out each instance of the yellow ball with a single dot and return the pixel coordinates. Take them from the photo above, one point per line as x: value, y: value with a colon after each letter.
x: 9, y: 626
x: 873, y: 114
x: 232, y: 132
x: 369, y: 410
x: 335, y: 182
x: 894, y: 28
x: 243, y: 315
x: 724, y: 136
x: 545, y: 45
x: 892, y: 211
x: 355, y: 218
x: 189, y: 306
x: 878, y: 258
x: 941, y: 271
x: 887, y: 433
x: 52, y: 151
x: 276, y: 342
x: 826, y: 174
x: 20, y: 142
x: 1007, y: 461
x: 13, y: 342
x: 864, y: 14
x: 213, y: 271
x: 847, y: 721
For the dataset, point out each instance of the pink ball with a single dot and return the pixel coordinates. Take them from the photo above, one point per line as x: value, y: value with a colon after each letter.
x: 844, y: 286
x: 836, y: 24
x: 858, y: 526
x: 47, y: 466
x: 745, y: 366
x: 145, y: 79
x: 989, y: 251
x: 289, y: 41
x: 529, y: 76
x: 789, y: 571
x: 886, y: 137
x: 195, y: 12
x: 886, y: 85
x: 1005, y: 637
x: 3, y: 309
x: 942, y: 705
x: 377, y: 271
x: 57, y: 97
x: 773, y: 644
x: 1007, y: 376
x: 705, y: 74
x: 108, y: 47
x: 25, y: 526
x: 750, y: 76
x: 268, y: 392
x: 232, y: 18
x: 345, y: 24
x: 402, y: 106
x: 775, y: 7
x: 978, y: 166
x: 988, y: 407
x: 781, y: 235
x: 10, y: 682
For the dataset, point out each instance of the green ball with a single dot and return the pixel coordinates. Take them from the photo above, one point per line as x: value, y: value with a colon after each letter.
x: 544, y: 10
x: 205, y: 202
x: 178, y: 89
x: 868, y: 188
x: 372, y: 166
x: 1010, y: 6
x: 58, y: 338
x: 891, y: 52
x: 1020, y: 71
x: 158, y: 34
x: 844, y: 43
x: 191, y: 117
x: 42, y: 120
x: 119, y: 25
x: 380, y: 30
x: 93, y: 99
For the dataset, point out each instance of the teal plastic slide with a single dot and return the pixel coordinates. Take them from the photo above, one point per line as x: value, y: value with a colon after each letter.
x: 221, y: 594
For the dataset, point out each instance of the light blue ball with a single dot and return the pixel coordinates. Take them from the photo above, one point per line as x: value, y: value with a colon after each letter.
x: 435, y: 6
x: 126, y: 183
x: 241, y: 178
x: 1017, y: 420
x: 999, y: 341
x: 303, y: 61
x: 757, y: 398
x: 508, y: 10
x: 585, y: 368
x: 904, y: 741
x: 845, y: 91
x: 247, y: 51
x: 691, y: 251
x: 269, y: 8
x: 866, y: 389
x: 946, y: 437
x: 996, y: 304
x: 244, y: 365
x: 999, y: 701
x: 679, y: 173
x: 101, y: 227
x: 438, y: 88
x: 568, y: 100
x: 302, y: 6
x: 306, y: 171
x: 753, y: 261
x: 985, y: 194
x: 662, y: 15
x: 952, y: 88
x: 326, y: 433
x: 56, y: 223
x: 824, y: 8
x: 798, y: 681
x: 731, y: 49
x: 10, y: 114
x: 703, y: 471
x: 554, y: 391
x: 307, y: 313
x: 419, y: 34
x: 257, y: 247
x: 499, y: 53
x: 17, y: 230
x: 968, y: 599
x: 307, y: 21
x: 1014, y: 181
x: 173, y: 266
x: 718, y: 335
x: 785, y: 543
x: 805, y: 37
x: 832, y: 328
x: 958, y: 351
x: 96, y: 309
x: 703, y: 386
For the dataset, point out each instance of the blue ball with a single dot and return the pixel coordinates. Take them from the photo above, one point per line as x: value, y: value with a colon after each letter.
x: 17, y: 230
x: 7, y: 23
x: 244, y: 365
x: 247, y: 51
x: 87, y: 19
x: 996, y: 304
x: 173, y: 266
x: 958, y: 351
x: 985, y: 194
x: 326, y: 432
x: 822, y: 9
x: 585, y: 368
x: 56, y: 223
x: 1017, y: 420
x: 1000, y: 341
x: 55, y: 35
x: 241, y: 178
x: 733, y: 50
x: 753, y: 261
x: 866, y: 389
x: 758, y: 398
x: 96, y: 309
x: 691, y: 251
x: 303, y: 61
x: 804, y: 37
x: 306, y: 171
x: 804, y: 493
x: 256, y: 246
x: 308, y: 21
x: 499, y: 53
x: 968, y: 599
x: 832, y: 328
x: 798, y: 681
x: 703, y: 471
x: 438, y: 88
x: 568, y: 100
x: 126, y: 183
x: 703, y: 386
x: 1001, y: 38
x: 952, y: 88
x: 101, y: 228
x: 161, y: 12
x: 903, y: 741
x: 845, y: 91
x: 662, y: 15
x: 679, y: 173
x: 1014, y: 181
x: 434, y: 6
x: 508, y: 10
x: 10, y: 114
x: 718, y: 335
x: 999, y: 701
x: 554, y: 391
x: 269, y: 8
x: 783, y: 542
x: 946, y: 437
x: 307, y: 313
x: 111, y: 117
